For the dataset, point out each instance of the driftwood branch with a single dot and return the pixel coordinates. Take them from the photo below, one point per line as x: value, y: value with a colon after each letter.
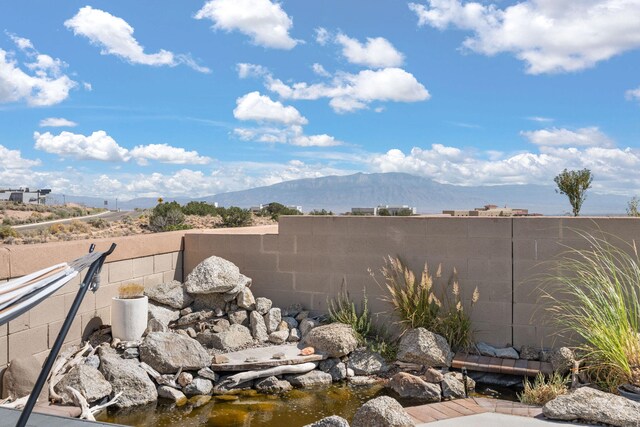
x: 82, y: 403
x: 98, y: 408
x: 169, y: 380
x: 16, y: 404
x: 63, y: 366
x: 242, y: 377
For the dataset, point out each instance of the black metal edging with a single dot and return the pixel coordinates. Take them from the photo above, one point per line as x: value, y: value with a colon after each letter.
x: 53, y: 354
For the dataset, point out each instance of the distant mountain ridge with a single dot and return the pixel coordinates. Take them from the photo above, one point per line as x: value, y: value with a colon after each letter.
x: 341, y: 193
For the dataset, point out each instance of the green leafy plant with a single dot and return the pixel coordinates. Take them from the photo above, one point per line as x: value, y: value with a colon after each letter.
x: 235, y: 217
x: 342, y: 309
x: 574, y: 185
x: 595, y: 294
x: 166, y: 217
x: 632, y: 207
x: 6, y: 231
x: 321, y: 212
x: 543, y: 389
x: 415, y: 303
x: 275, y: 209
x: 200, y: 209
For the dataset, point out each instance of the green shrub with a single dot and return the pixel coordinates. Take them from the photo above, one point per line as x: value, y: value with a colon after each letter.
x: 415, y: 303
x: 235, y: 217
x: 384, y: 212
x: 98, y: 223
x: 200, y: 209
x: 404, y: 212
x: 166, y: 217
x: 6, y: 231
x: 275, y: 209
x: 543, y: 389
x: 342, y: 309
x: 595, y: 294
x: 321, y: 212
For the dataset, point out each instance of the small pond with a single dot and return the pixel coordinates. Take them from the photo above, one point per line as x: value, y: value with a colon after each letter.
x: 292, y: 409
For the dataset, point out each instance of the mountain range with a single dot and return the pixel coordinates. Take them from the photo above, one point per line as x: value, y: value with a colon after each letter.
x: 340, y: 193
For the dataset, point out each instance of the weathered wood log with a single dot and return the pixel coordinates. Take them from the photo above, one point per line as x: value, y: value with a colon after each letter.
x: 79, y: 399
x: 16, y: 404
x: 169, y: 380
x: 63, y: 366
x: 99, y: 408
x: 242, y: 377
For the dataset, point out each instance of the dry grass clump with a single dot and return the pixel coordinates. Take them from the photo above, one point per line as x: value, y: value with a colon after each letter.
x: 543, y: 389
x: 130, y: 290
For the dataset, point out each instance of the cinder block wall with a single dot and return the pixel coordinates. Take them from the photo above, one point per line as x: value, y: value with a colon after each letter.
x: 311, y: 258
x: 146, y: 259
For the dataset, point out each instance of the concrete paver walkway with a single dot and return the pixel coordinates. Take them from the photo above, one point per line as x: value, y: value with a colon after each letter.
x: 490, y: 419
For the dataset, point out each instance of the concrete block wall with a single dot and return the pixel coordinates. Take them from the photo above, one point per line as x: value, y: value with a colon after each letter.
x: 145, y: 259
x: 311, y: 258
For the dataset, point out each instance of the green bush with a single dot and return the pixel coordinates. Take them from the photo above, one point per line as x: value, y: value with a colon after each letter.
x: 404, y: 212
x: 166, y: 217
x: 543, y: 389
x: 200, y: 209
x: 275, y: 209
x: 235, y: 217
x: 384, y: 212
x: 321, y: 212
x: 342, y: 309
x: 6, y: 231
x: 98, y: 223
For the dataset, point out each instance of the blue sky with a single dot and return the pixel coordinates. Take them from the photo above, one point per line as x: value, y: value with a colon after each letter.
x: 165, y: 98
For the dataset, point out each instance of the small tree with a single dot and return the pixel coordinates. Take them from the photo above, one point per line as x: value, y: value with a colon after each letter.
x: 632, y: 206
x: 574, y: 185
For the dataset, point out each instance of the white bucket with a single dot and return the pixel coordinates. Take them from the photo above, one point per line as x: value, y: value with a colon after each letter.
x: 129, y: 318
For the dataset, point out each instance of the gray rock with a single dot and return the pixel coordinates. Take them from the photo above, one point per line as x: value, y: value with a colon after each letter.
x: 131, y: 353
x: 338, y: 372
x: 246, y: 300
x: 263, y: 305
x: 93, y: 361
x: 170, y: 293
x: 20, y: 377
x: 195, y: 317
x: 367, y: 362
x: 220, y: 325
x: 314, y: 378
x: 528, y: 352
x: 154, y: 325
x: 258, y: 328
x: 301, y: 316
x: 163, y: 314
x: 294, y: 335
x: 235, y: 337
x: 350, y: 373
x: 382, y: 411
x: 176, y: 396
x: 485, y: 349
x: 186, y: 310
x: 562, y: 360
x: 128, y: 377
x: 243, y: 283
x: 424, y: 348
x: 362, y: 381
x: 407, y: 385
x: 292, y: 310
x: 326, y: 364
x: 272, y: 385
x: 272, y: 319
x: 211, y: 302
x: 334, y: 340
x: 452, y: 388
x: 432, y: 375
x: 471, y: 384
x: 199, y: 386
x: 307, y: 325
x: 283, y: 326
x: 593, y: 406
x: 545, y: 355
x: 213, y: 275
x: 239, y: 317
x: 167, y: 352
x: 507, y: 353
x: 184, y: 379
x: 87, y: 380
x: 291, y: 322
x: 278, y: 337
x: 332, y: 421
x: 208, y: 374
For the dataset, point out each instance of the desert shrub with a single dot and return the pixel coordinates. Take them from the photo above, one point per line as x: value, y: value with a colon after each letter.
x: 200, y: 209
x: 321, y: 212
x: 166, y: 217
x: 98, y: 223
x: 6, y: 231
x: 543, y: 389
x: 57, y: 228
x: 595, y: 294
x: 633, y: 207
x: 415, y: 303
x: 77, y: 226
x: 342, y: 309
x: 275, y: 209
x: 235, y: 217
x: 7, y: 221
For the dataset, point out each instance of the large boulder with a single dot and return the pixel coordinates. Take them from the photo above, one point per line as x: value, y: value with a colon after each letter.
x: 452, y: 387
x: 176, y: 396
x: 314, y: 378
x: 87, y: 380
x: 211, y: 302
x: 332, y: 421
x: 167, y: 352
x: 162, y: 313
x: 367, y: 362
x: 382, y: 411
x: 258, y: 327
x: 128, y: 377
x: 246, y: 300
x: 562, y: 360
x: 235, y: 337
x: 594, y: 406
x: 407, y: 385
x: 198, y: 387
x: 20, y: 377
x: 334, y: 340
x: 272, y: 385
x: 213, y: 275
x: 272, y: 319
x: 170, y: 293
x: 424, y: 348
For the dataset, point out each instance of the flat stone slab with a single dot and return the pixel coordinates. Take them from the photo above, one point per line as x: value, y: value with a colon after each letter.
x: 262, y: 357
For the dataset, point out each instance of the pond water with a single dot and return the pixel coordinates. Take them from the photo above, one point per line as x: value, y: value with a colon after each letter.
x: 250, y: 409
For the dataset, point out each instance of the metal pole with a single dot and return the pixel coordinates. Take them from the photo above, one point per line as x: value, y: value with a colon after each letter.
x: 48, y: 364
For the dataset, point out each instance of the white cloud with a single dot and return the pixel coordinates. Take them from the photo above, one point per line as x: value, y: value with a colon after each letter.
x: 293, y: 135
x: 351, y: 92
x: 265, y: 22
x: 559, y: 137
x: 377, y: 52
x: 115, y: 36
x: 323, y: 140
x: 257, y: 107
x: 13, y: 160
x: 246, y: 70
x: 320, y: 70
x: 548, y: 35
x: 54, y: 122
x: 540, y: 119
x: 322, y: 36
x: 633, y: 94
x: 97, y: 146
x: 165, y: 153
x: 45, y: 85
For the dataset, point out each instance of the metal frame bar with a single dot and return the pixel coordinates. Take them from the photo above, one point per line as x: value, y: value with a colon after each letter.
x: 53, y: 354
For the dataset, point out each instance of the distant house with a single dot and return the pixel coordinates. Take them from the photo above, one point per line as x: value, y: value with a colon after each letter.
x: 490, y: 210
x: 24, y: 195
